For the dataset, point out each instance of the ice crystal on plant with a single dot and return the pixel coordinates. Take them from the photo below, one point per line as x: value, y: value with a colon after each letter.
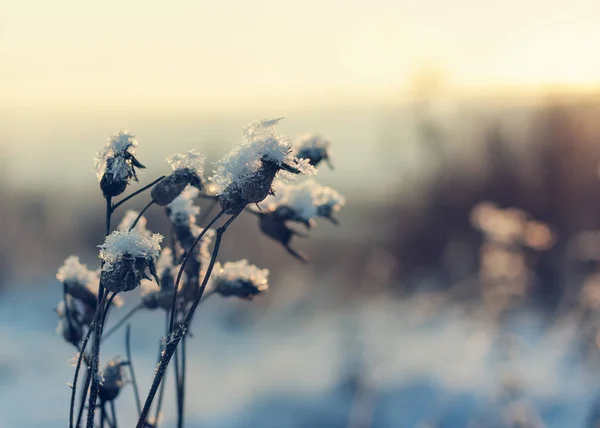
x: 191, y: 160
x: 74, y: 271
x: 133, y: 243
x: 260, y: 143
x: 120, y: 147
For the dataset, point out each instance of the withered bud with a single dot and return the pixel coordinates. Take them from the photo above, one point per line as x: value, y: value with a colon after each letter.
x: 127, y: 273
x: 254, y: 189
x: 114, y: 379
x: 165, y: 192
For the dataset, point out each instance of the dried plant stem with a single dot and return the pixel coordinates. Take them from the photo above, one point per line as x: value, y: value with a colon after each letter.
x: 96, y: 361
x: 137, y: 192
x: 174, y: 339
x: 122, y: 321
x: 148, y: 205
x: 102, y: 415
x: 183, y: 263
x: 136, y: 390
x: 114, y: 414
x: 161, y: 393
x: 181, y: 385
x: 78, y: 366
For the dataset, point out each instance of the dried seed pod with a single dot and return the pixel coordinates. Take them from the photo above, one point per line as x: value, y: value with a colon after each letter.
x: 114, y: 379
x: 240, y: 279
x: 165, y: 191
x: 275, y: 228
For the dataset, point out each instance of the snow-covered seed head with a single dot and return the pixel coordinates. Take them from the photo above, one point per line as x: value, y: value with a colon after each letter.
x: 304, y: 201
x: 246, y: 174
x: 182, y: 212
x: 116, y: 163
x: 240, y: 279
x: 315, y: 148
x: 128, y: 219
x: 187, y: 169
x: 127, y: 256
x: 73, y: 315
x: 79, y: 281
x: 114, y: 378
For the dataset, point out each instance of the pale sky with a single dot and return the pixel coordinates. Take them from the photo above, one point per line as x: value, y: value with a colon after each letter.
x: 227, y: 54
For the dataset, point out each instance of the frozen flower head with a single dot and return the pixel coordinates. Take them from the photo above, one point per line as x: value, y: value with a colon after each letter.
x: 304, y: 201
x: 116, y: 163
x: 128, y: 219
x: 155, y: 296
x: 240, y: 279
x: 114, y: 379
x: 73, y: 316
x: 127, y: 256
x: 328, y: 201
x: 246, y: 174
x: 79, y: 281
x: 182, y: 211
x: 187, y: 169
x: 315, y: 148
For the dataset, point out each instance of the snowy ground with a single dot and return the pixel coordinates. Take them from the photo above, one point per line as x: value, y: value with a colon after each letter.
x: 382, y: 364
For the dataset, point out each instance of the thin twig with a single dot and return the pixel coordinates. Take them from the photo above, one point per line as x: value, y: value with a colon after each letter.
x: 161, y: 393
x: 79, y: 360
x: 137, y: 192
x: 183, y: 263
x: 136, y: 390
x: 181, y: 407
x: 173, y: 339
x: 102, y: 415
x: 95, y: 363
x: 148, y: 205
x: 114, y: 414
x: 121, y: 321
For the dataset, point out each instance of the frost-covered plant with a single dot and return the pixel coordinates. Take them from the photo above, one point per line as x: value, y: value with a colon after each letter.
x: 116, y: 163
x: 127, y: 256
x: 240, y: 279
x: 187, y: 170
x: 315, y: 148
x: 185, y: 272
x: 246, y: 174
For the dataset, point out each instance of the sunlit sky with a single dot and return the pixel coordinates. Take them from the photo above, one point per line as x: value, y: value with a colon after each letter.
x: 234, y: 53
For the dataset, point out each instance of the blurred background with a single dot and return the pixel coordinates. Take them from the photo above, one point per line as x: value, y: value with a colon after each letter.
x: 462, y: 288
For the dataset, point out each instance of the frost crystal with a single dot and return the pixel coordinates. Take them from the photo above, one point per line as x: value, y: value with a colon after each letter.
x: 119, y: 147
x: 182, y: 210
x: 128, y: 220
x: 191, y: 160
x: 74, y: 271
x: 260, y: 143
x: 133, y: 243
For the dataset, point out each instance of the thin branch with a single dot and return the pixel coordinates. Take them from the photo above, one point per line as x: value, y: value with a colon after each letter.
x: 95, y: 363
x: 79, y: 360
x: 136, y: 390
x: 161, y: 393
x: 137, y: 192
x: 173, y: 339
x: 122, y: 321
x: 114, y: 414
x: 148, y: 205
x: 181, y: 408
x: 183, y: 263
